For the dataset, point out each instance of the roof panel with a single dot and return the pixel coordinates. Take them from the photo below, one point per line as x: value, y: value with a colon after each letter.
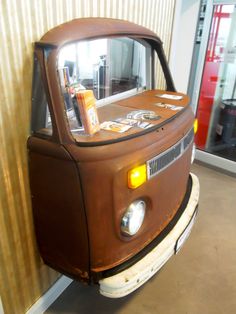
x: 79, y: 29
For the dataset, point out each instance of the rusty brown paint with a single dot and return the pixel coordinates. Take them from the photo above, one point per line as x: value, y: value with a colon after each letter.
x: 79, y: 194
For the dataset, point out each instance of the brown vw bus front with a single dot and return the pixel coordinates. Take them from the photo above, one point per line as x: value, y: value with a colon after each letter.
x: 110, y: 206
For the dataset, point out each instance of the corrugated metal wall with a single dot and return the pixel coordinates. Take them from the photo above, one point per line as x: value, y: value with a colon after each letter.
x: 23, y: 276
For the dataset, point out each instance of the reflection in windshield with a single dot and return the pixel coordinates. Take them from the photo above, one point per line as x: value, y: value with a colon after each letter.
x: 108, y: 67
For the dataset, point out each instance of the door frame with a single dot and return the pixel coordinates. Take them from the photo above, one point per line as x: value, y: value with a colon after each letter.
x: 208, y: 158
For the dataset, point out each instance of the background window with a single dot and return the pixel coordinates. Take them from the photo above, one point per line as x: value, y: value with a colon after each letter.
x: 41, y: 120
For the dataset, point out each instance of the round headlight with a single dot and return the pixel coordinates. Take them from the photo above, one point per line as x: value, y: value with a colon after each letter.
x: 133, y: 218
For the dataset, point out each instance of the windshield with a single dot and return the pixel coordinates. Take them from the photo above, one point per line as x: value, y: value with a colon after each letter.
x: 95, y: 77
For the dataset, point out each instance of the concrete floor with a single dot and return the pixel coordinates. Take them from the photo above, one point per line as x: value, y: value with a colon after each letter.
x: 200, y: 279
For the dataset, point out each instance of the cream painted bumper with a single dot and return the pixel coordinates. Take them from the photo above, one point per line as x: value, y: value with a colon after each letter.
x: 132, y: 278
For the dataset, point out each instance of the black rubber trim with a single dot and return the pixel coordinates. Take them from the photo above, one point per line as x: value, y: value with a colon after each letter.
x: 125, y: 138
x: 156, y: 241
x: 44, y: 45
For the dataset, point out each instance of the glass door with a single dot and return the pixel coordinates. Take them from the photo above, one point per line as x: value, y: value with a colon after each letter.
x: 216, y: 106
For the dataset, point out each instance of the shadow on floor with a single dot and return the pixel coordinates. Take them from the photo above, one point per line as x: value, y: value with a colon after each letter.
x: 84, y: 299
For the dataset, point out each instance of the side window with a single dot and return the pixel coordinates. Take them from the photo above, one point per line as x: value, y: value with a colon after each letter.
x: 40, y: 117
x: 160, y: 80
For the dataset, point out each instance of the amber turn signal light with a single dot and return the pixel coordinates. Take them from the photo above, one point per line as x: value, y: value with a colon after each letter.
x: 137, y: 176
x: 195, y: 126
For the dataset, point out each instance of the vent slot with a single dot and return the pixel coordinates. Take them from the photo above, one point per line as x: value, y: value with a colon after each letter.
x: 162, y: 161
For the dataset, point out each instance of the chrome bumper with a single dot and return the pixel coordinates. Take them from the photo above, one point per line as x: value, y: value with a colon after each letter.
x: 133, y: 277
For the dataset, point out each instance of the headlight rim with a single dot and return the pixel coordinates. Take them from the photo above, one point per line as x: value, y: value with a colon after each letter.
x: 130, y: 211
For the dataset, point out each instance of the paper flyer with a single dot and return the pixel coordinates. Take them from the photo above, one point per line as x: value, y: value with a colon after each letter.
x: 114, y: 126
x: 172, y: 97
x: 171, y: 107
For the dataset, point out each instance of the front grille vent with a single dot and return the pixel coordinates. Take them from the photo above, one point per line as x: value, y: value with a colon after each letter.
x: 162, y: 161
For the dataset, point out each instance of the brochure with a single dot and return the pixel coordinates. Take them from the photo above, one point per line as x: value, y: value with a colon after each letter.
x: 127, y: 121
x: 88, y: 111
x: 145, y: 125
x: 143, y: 115
x: 114, y: 126
x: 169, y: 96
x: 171, y: 107
x: 64, y: 77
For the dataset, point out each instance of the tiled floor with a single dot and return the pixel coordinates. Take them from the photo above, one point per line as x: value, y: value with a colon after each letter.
x: 201, y: 279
